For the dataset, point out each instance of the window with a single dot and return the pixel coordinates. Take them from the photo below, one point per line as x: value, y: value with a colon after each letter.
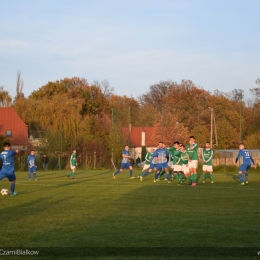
x: 8, y: 133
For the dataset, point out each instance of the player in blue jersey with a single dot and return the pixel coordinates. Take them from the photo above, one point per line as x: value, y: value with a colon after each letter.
x: 7, y: 171
x: 160, y: 155
x: 31, y: 161
x: 125, y: 163
x: 246, y: 164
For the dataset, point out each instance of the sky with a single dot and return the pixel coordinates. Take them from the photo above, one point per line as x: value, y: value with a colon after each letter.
x: 131, y: 44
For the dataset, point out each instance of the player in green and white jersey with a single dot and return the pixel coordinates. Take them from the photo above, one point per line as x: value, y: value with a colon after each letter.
x: 175, y: 155
x: 73, y: 164
x: 148, y: 158
x: 184, y: 163
x: 192, y: 149
x: 207, y: 156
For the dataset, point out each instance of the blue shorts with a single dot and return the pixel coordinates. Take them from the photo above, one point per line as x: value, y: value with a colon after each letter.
x: 33, y: 169
x: 161, y: 166
x: 7, y: 174
x: 125, y: 165
x: 152, y: 166
x: 244, y: 167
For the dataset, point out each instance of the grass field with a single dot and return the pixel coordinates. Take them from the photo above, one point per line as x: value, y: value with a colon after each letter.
x: 96, y: 215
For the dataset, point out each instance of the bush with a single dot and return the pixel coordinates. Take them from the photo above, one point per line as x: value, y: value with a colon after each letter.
x: 143, y: 152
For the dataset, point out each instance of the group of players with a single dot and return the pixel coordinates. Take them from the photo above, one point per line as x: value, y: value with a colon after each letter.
x: 180, y: 162
x: 8, y: 169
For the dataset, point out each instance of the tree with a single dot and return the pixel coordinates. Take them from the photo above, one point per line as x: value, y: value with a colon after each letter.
x: 105, y: 88
x: 253, y: 141
x: 236, y: 95
x: 74, y: 113
x: 19, y: 87
x: 228, y: 136
x: 94, y: 102
x: 168, y: 129
x: 144, y: 116
x: 5, y: 98
x: 125, y: 109
x: 58, y: 87
x: 156, y: 94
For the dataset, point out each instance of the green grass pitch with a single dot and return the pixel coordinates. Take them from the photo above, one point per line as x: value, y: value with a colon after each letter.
x: 96, y: 213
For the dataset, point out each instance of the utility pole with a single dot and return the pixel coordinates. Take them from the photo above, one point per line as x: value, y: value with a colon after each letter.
x: 163, y: 122
x: 112, y: 135
x: 61, y: 150
x: 211, y: 126
x: 129, y: 125
x: 216, y: 136
x: 198, y: 121
x: 240, y: 118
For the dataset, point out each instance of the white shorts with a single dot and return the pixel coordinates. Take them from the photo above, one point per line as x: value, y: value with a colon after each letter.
x: 170, y: 164
x: 146, y: 166
x: 185, y: 168
x: 193, y: 164
x: 207, y: 168
x: 177, y: 167
x: 72, y: 167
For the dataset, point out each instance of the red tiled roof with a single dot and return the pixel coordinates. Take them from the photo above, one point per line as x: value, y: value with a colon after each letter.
x: 9, y: 120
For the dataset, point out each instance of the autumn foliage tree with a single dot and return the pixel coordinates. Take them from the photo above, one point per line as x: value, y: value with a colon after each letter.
x: 5, y: 98
x: 73, y: 108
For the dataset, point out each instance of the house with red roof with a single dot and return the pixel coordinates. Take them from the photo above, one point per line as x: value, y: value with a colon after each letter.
x: 138, y: 137
x: 13, y: 128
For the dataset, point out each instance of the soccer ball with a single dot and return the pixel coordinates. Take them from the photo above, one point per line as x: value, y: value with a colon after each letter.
x: 4, y: 192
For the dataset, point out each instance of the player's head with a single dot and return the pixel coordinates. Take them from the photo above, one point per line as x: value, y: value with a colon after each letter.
x: 160, y: 145
x: 32, y: 152
x: 74, y: 151
x: 192, y: 139
x: 207, y: 144
x: 241, y: 146
x: 176, y: 144
x: 182, y: 147
x: 7, y: 146
x: 152, y: 150
x: 126, y: 147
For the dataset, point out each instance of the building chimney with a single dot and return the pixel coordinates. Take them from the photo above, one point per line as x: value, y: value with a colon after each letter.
x: 143, y: 138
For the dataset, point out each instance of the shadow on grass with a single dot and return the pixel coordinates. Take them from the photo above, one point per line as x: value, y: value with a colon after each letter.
x: 135, y: 216
x: 233, y: 176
